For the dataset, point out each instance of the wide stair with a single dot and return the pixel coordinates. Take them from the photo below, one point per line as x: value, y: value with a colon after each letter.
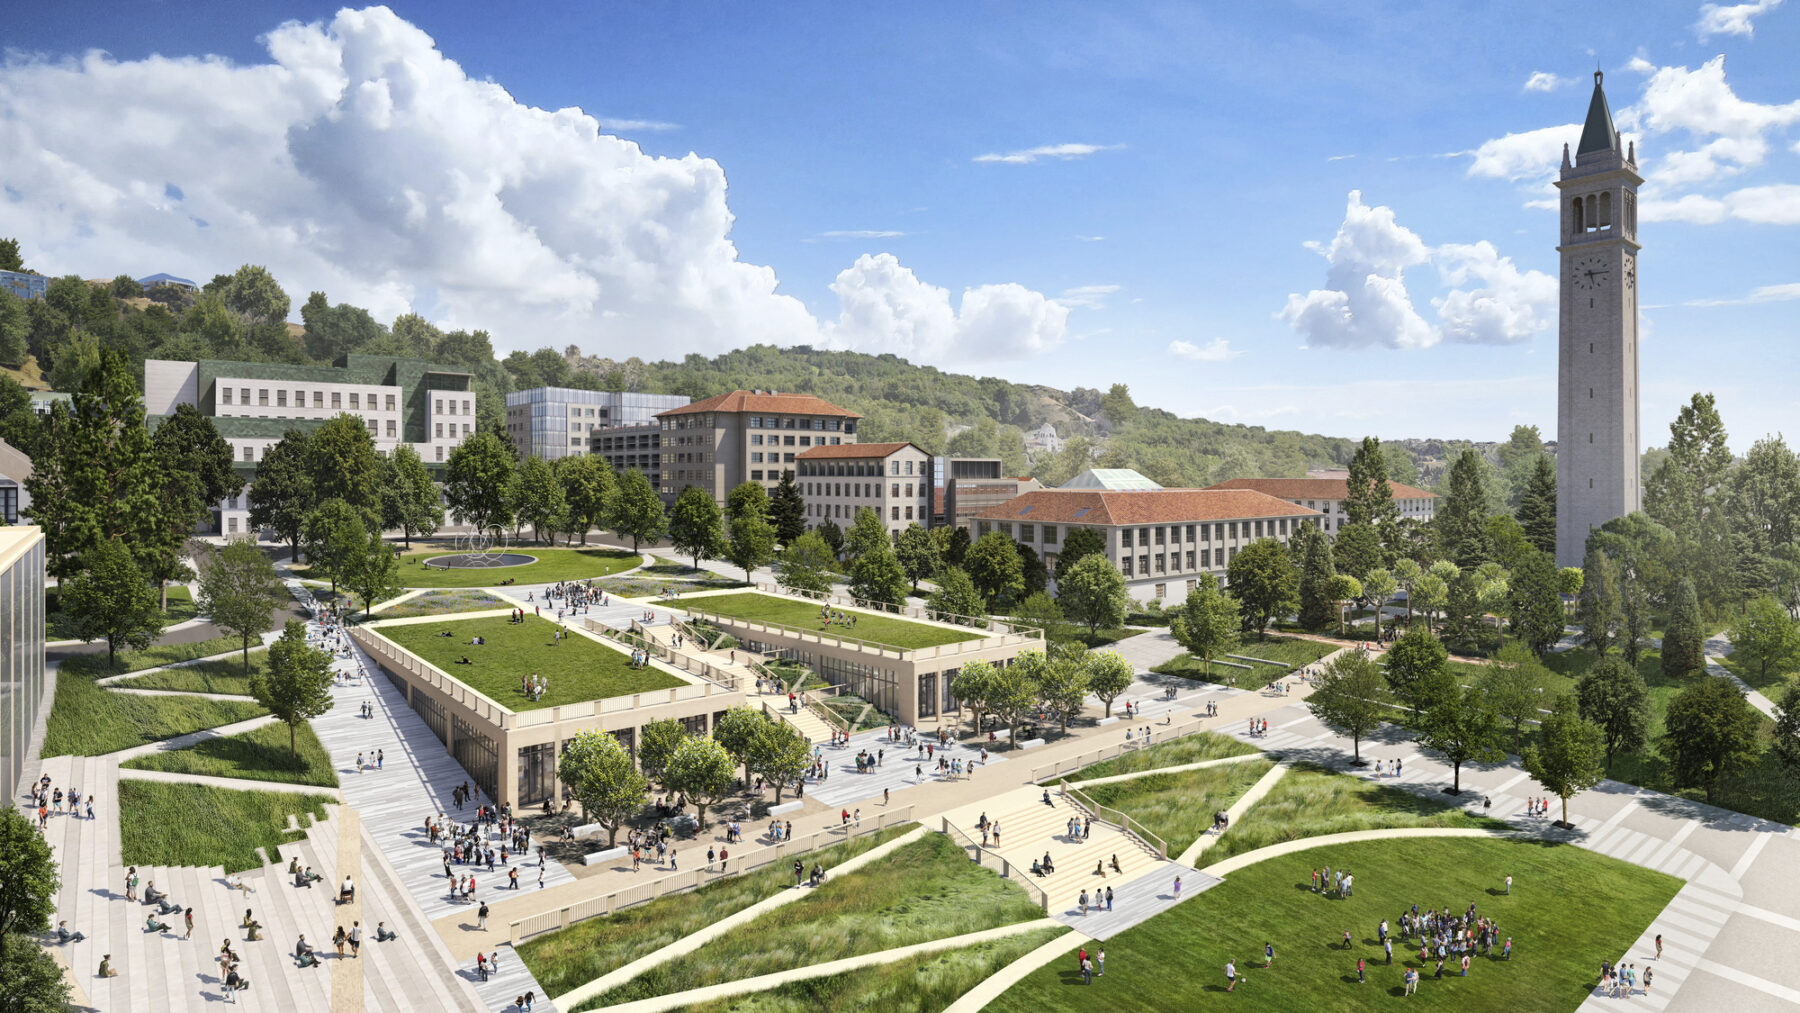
x: 1030, y: 830
x: 805, y: 722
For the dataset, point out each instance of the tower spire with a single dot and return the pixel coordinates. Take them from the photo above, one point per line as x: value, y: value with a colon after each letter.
x: 1598, y: 134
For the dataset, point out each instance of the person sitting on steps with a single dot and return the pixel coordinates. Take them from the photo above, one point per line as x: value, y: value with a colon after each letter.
x: 383, y: 934
x: 152, y: 925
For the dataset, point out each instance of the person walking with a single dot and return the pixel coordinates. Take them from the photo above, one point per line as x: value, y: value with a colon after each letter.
x: 1109, y: 898
x: 1268, y: 955
x: 356, y: 939
x: 1659, y: 946
x: 1100, y: 962
x: 1230, y: 975
x: 481, y: 917
x: 1359, y: 971
x: 1509, y: 886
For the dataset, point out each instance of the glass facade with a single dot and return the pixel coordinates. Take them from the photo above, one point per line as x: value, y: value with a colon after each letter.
x: 537, y: 774
x: 554, y: 422
x: 478, y: 756
x: 21, y: 653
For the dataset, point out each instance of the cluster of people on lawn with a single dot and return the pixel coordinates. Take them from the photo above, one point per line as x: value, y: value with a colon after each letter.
x: 534, y: 686
x: 830, y: 617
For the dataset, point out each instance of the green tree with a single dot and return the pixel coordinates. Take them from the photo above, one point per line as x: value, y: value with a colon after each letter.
x: 1612, y: 695
x: 110, y: 600
x: 1368, y: 498
x: 1784, y: 741
x: 1418, y: 671
x: 805, y: 565
x: 972, y: 686
x: 701, y: 769
x: 19, y: 424
x: 1349, y: 698
x: 956, y: 549
x: 1510, y: 685
x: 1709, y: 734
x: 1508, y: 540
x: 344, y: 465
x: 1108, y: 676
x: 538, y: 497
x: 1535, y: 601
x: 9, y: 256
x: 736, y: 730
x: 33, y: 979
x: 1634, y: 606
x: 918, y: 554
x: 374, y: 573
x: 1032, y: 569
x: 194, y: 465
x: 1093, y: 593
x: 1518, y: 462
x: 297, y: 685
x: 1462, y: 728
x: 833, y: 535
x: 1317, y: 609
x: 96, y: 477
x: 1684, y: 639
x: 750, y: 540
x: 282, y: 491
x: 1263, y: 581
x: 1764, y: 491
x: 1012, y: 692
x: 993, y: 564
x: 1765, y: 635
x: 1117, y: 407
x: 1567, y: 758
x: 696, y: 527
x: 1357, y: 550
x: 1062, y: 685
x: 787, y: 511
x: 1461, y: 520
x: 639, y: 513
x: 478, y: 482
x: 876, y: 576
x: 1537, y: 508
x: 1077, y: 543
x: 957, y: 600
x: 1208, y: 624
x: 254, y: 292
x: 409, y: 498
x: 335, y: 541
x: 240, y: 591
x: 866, y: 532
x: 1040, y: 611
x: 780, y: 754
x: 589, y: 491
x: 597, y: 770
x: 1597, y: 612
x: 661, y: 739
x: 15, y: 330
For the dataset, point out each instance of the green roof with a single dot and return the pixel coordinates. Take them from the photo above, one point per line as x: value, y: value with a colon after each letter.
x: 416, y: 377
x: 1598, y: 134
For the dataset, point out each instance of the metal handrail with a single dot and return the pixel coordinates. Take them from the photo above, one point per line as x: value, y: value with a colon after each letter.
x: 1124, y: 822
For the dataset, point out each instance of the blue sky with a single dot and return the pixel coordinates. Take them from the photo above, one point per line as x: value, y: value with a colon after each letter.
x: 815, y: 172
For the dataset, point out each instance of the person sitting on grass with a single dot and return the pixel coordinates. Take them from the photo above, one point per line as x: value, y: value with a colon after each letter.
x: 152, y: 925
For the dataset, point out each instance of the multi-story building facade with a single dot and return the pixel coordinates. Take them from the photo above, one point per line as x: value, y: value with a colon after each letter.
x: 1327, y: 496
x: 892, y: 479
x: 15, y: 468
x: 965, y: 486
x: 727, y: 440
x: 252, y: 404
x: 555, y: 422
x: 24, y: 706
x: 1163, y: 541
x: 24, y: 284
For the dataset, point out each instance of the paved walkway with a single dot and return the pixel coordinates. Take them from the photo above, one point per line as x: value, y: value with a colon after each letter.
x: 1236, y: 812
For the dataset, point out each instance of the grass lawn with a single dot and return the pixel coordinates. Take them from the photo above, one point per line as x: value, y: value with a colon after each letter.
x: 88, y: 720
x: 193, y: 824
x: 58, y: 626
x: 260, y: 754
x: 225, y: 675
x: 576, y: 667
x: 926, y: 890
x: 438, y: 603
x: 1285, y: 653
x: 1570, y: 908
x: 1772, y: 685
x: 1290, y: 651
x: 1103, y: 638
x: 586, y: 950
x: 900, y: 634
x: 923, y: 984
x: 1178, y: 807
x: 850, y: 707
x: 1187, y: 749
x: 1312, y: 802
x: 96, y: 666
x: 552, y: 565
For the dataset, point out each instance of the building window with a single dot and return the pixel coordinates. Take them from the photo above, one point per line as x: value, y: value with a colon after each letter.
x: 467, y: 412
x: 1125, y: 538
x: 318, y: 399
x: 1218, y: 557
x: 806, y: 441
x: 756, y: 476
x: 355, y: 401
x: 227, y: 392
x: 281, y: 399
x: 1125, y: 565
x: 895, y: 513
x: 438, y: 428
x: 231, y: 525
x: 372, y: 431
x: 1160, y: 568
x: 1162, y: 591
x: 390, y: 428
x: 756, y: 440
x: 909, y: 513
x: 249, y: 453
x: 1028, y: 532
x: 1159, y: 536
x: 1233, y: 531
x: 1049, y: 533
x: 262, y: 396
x: 440, y: 453
x: 1190, y: 559
x: 337, y: 399
x: 1259, y: 525
x: 1190, y: 532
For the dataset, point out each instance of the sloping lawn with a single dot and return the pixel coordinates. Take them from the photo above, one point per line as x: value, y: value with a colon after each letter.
x: 96, y: 666
x: 192, y: 824
x: 225, y: 675
x: 926, y: 890
x: 1194, y: 748
x: 260, y: 754
x: 1285, y: 654
x: 1179, y: 807
x: 898, y: 634
x: 440, y: 603
x: 1311, y: 802
x: 552, y: 565
x: 88, y: 720
x: 586, y: 950
x: 1569, y: 908
x: 576, y: 667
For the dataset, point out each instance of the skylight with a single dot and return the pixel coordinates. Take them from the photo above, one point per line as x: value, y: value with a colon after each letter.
x: 1026, y: 510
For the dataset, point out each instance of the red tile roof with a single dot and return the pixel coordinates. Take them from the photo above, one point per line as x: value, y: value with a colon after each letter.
x: 1314, y: 488
x: 748, y: 401
x: 859, y: 451
x: 1159, y: 506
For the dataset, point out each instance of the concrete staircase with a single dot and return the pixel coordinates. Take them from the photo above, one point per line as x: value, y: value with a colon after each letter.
x: 807, y: 723
x: 1029, y: 829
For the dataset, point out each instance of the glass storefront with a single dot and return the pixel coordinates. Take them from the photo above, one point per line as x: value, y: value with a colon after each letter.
x: 537, y: 774
x: 478, y: 756
x: 21, y: 658
x: 928, y: 695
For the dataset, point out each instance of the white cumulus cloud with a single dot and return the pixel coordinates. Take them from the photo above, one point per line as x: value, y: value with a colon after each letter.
x: 1530, y: 154
x: 886, y: 308
x: 1366, y: 302
x: 1542, y: 80
x: 361, y: 161
x: 1216, y: 350
x: 1731, y: 19
x: 1063, y: 152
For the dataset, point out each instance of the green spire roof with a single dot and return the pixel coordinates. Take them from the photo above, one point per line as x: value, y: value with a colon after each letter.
x: 1598, y: 134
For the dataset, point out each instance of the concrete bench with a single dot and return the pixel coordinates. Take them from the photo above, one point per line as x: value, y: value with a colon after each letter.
x: 786, y: 807
x: 588, y: 830
x: 1115, y: 719
x: 597, y: 857
x: 1031, y: 743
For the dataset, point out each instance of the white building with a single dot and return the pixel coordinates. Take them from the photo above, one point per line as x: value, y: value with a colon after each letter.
x: 1327, y: 496
x: 893, y: 479
x: 252, y: 404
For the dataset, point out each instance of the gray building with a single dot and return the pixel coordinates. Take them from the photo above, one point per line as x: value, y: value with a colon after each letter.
x: 1597, y: 431
x: 24, y: 706
x: 556, y: 422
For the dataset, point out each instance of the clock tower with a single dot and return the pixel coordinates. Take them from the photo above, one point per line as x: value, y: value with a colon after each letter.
x: 1597, y: 352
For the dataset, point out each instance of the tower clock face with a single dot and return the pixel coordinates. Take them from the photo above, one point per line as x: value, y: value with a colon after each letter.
x: 1589, y: 273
